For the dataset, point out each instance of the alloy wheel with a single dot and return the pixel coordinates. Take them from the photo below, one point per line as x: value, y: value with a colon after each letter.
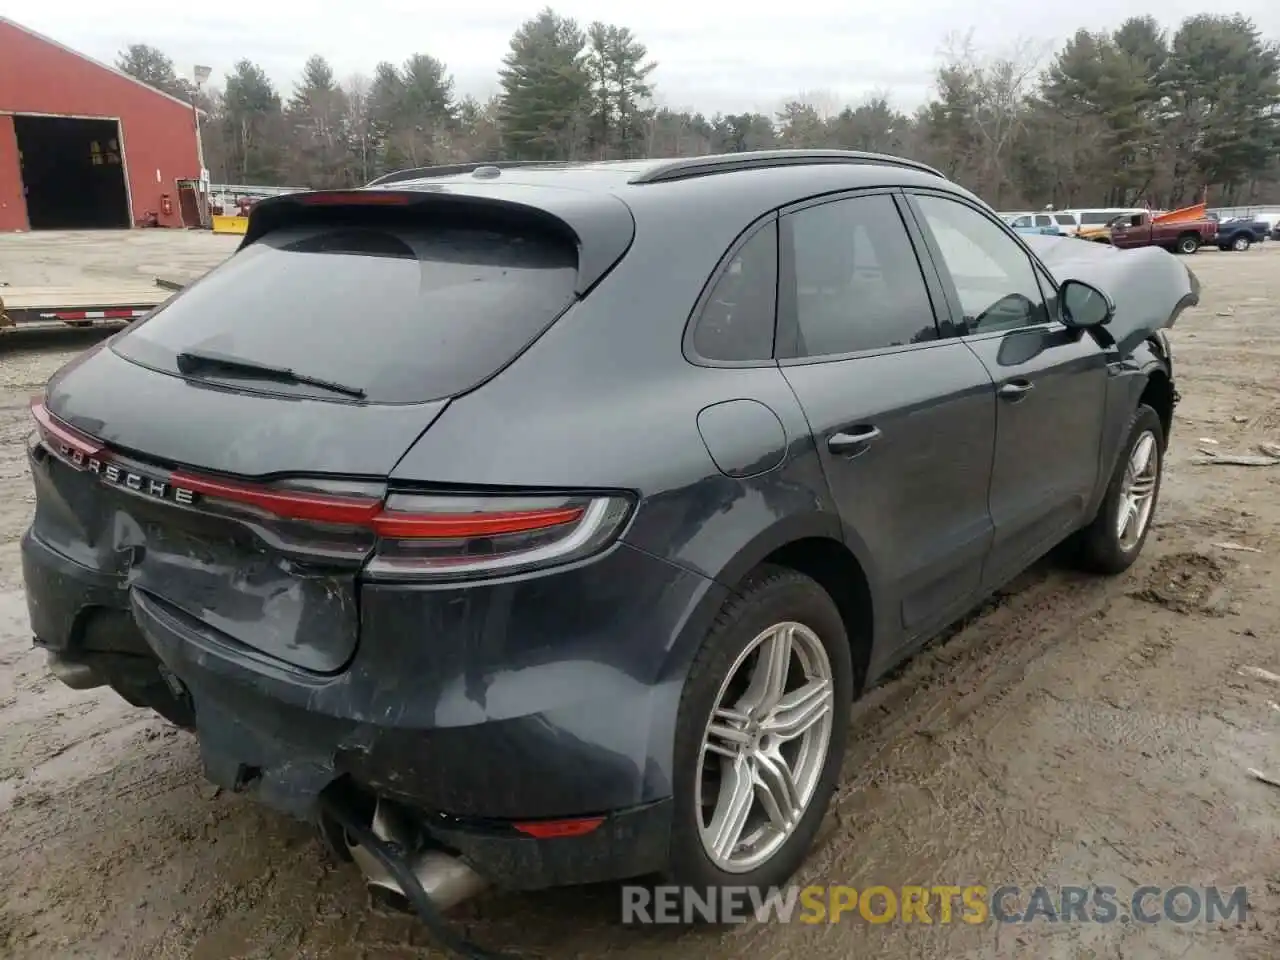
x: 765, y: 747
x: 1138, y: 491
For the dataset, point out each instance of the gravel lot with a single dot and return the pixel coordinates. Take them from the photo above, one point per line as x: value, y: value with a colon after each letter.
x: 1074, y: 731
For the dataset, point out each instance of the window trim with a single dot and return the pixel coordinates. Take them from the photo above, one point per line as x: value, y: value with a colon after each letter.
x: 749, y: 233
x: 786, y: 312
x: 951, y: 293
x: 1043, y: 277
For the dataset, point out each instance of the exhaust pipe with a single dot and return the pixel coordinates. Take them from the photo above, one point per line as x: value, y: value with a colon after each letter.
x: 429, y: 882
x: 443, y: 877
x: 77, y: 676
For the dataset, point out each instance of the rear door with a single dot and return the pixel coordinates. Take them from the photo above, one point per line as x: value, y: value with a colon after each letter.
x: 1051, y: 382
x: 902, y: 413
x: 237, y: 497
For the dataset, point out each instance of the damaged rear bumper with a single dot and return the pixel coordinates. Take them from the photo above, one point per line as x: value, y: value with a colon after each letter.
x: 483, y: 732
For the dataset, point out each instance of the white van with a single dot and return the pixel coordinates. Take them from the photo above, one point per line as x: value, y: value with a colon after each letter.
x: 1065, y: 220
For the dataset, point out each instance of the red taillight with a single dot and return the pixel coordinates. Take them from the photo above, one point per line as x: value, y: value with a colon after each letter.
x: 59, y: 434
x: 286, y: 504
x: 551, y: 829
x: 454, y: 536
x: 460, y: 525
x: 344, y: 198
x: 405, y: 536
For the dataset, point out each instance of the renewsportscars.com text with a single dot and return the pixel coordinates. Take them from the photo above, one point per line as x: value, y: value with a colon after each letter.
x: 942, y: 904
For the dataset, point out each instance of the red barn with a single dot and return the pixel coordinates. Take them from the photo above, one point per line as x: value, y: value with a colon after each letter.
x: 83, y: 145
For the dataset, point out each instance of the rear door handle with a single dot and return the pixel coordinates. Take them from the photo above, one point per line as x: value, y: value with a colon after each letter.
x: 855, y: 442
x: 1015, y: 389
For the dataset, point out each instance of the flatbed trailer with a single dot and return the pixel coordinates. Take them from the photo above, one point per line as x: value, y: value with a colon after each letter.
x: 110, y: 305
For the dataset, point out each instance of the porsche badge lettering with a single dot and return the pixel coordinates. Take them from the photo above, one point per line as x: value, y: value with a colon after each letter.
x: 116, y: 475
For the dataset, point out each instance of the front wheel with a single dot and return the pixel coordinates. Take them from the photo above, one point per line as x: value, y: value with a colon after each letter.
x: 1240, y: 244
x: 1112, y: 542
x: 760, y: 735
x: 1188, y: 243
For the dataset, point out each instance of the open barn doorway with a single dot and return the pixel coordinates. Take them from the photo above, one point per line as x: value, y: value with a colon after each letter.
x: 72, y: 173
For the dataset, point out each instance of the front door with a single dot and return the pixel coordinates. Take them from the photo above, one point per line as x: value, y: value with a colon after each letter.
x: 903, y: 418
x: 1051, y: 381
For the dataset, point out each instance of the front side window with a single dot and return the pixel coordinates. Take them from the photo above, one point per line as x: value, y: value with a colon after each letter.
x: 992, y: 274
x: 857, y: 282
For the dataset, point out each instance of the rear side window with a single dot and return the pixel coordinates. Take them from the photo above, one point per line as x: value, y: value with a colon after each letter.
x: 1066, y: 218
x: 857, y: 282
x: 1042, y: 220
x: 1095, y: 218
x: 737, y: 320
x: 406, y: 313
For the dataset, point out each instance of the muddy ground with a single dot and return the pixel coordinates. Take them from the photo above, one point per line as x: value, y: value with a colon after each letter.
x: 1076, y: 731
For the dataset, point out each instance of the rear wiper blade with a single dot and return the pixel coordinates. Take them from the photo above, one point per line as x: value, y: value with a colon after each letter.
x: 189, y: 361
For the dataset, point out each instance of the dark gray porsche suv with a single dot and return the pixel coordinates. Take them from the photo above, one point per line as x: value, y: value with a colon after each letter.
x: 540, y: 522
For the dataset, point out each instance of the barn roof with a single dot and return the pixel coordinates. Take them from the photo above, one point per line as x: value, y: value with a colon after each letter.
x: 5, y: 21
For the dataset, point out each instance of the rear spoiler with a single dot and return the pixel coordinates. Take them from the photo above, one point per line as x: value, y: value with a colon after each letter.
x: 599, y: 224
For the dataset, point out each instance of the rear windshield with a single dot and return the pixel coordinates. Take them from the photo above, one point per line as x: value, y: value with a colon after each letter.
x: 404, y: 313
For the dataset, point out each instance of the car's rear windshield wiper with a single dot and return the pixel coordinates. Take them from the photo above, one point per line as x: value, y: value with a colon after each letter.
x: 189, y: 361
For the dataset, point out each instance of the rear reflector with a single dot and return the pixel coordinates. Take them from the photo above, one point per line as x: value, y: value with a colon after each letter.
x: 551, y: 829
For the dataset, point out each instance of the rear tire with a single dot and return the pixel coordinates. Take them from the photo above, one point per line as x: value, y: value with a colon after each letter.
x: 748, y: 742
x: 1105, y: 546
x: 1188, y: 244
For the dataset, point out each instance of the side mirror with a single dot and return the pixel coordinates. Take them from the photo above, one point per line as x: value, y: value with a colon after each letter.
x: 1083, y: 305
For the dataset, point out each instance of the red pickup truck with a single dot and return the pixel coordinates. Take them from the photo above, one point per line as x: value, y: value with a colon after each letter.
x: 1180, y: 236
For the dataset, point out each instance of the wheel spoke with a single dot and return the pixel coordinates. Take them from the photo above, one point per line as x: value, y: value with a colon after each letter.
x: 725, y: 733
x: 776, y: 790
x: 1140, y: 459
x: 1142, y: 488
x: 1124, y: 516
x: 737, y: 791
x: 769, y: 678
x: 1131, y: 522
x: 799, y: 710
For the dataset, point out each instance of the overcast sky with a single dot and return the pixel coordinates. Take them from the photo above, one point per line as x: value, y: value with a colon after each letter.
x: 727, y: 55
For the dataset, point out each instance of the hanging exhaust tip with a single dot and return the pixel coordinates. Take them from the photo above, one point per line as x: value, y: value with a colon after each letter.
x: 77, y: 676
x: 445, y: 879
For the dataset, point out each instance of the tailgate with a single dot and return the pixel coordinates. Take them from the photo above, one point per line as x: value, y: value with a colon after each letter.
x: 286, y: 589
x: 224, y: 454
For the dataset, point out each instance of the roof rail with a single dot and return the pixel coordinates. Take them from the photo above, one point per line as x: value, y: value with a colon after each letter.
x: 687, y: 167
x: 453, y: 169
